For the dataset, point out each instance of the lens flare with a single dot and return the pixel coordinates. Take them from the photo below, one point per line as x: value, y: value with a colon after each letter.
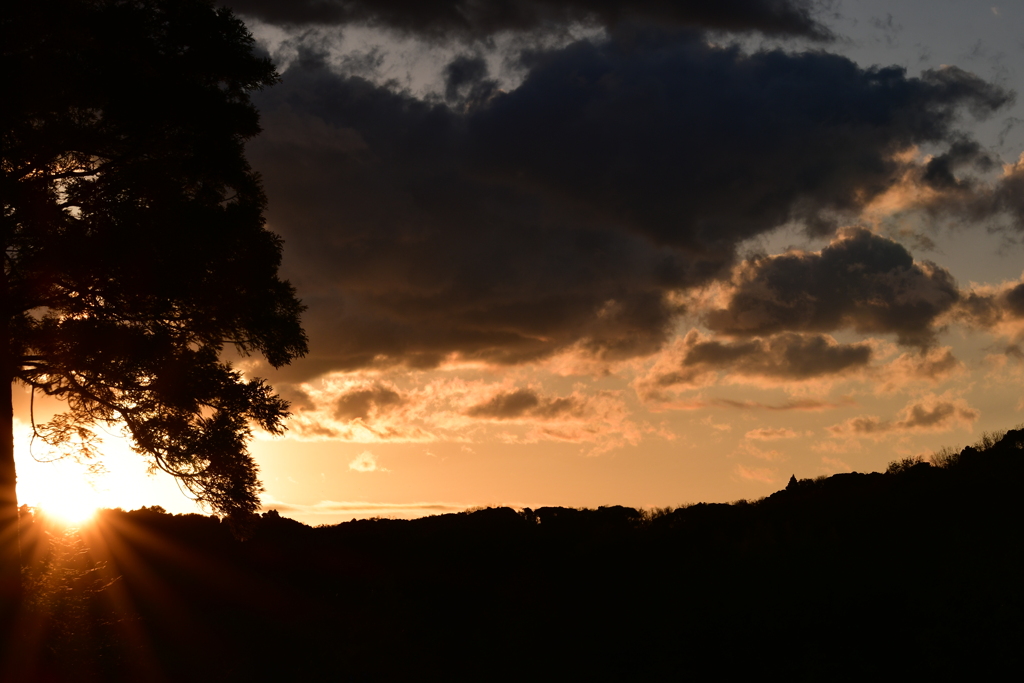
x: 72, y: 501
x: 71, y: 511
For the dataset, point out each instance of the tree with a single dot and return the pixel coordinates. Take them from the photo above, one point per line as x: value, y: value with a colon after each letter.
x: 135, y: 248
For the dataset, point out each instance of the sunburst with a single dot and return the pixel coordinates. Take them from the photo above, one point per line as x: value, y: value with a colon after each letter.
x: 74, y: 510
x: 72, y: 501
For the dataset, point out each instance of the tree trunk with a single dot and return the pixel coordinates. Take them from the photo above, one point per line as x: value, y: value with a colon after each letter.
x: 10, y: 550
x: 10, y: 547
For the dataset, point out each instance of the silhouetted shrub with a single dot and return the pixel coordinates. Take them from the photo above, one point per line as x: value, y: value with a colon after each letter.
x: 945, y: 457
x: 904, y: 464
x: 988, y: 440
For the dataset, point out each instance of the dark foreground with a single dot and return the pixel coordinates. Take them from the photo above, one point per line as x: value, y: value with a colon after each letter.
x: 915, y: 573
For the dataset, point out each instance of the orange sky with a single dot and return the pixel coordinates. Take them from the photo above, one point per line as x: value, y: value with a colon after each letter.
x: 414, y: 402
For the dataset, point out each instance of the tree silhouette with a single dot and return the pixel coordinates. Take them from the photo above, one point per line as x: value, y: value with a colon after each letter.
x: 135, y: 247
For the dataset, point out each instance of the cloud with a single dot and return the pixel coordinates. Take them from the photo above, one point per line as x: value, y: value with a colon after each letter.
x: 601, y: 419
x: 998, y: 309
x: 929, y: 414
x: 931, y: 366
x: 363, y: 409
x: 940, y: 171
x: 1000, y: 203
x: 860, y: 281
x: 717, y: 426
x: 833, y: 465
x: 764, y: 475
x: 793, y: 404
x: 567, y: 212
x: 771, y: 434
x: 782, y: 136
x: 748, y: 447
x: 664, y: 403
x: 524, y: 403
x: 362, y: 403
x: 472, y: 19
x: 804, y: 404
x: 366, y: 462
x: 964, y: 186
x: 697, y: 360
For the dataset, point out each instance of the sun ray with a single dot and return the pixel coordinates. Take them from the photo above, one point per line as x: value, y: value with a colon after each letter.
x: 72, y: 511
x: 69, y: 500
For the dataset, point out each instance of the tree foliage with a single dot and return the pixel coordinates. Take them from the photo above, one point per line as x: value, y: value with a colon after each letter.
x: 135, y: 247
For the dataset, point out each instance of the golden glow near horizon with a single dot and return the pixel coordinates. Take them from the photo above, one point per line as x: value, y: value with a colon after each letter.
x: 72, y: 510
x: 72, y: 491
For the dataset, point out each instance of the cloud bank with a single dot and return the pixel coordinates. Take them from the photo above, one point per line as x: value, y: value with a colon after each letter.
x: 506, y: 227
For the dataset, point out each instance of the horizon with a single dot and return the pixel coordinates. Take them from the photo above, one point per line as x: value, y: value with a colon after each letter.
x: 77, y: 513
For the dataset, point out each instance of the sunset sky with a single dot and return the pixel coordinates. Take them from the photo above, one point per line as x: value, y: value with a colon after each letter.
x: 659, y: 253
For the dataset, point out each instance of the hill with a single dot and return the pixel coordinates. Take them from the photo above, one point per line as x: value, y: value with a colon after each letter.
x: 911, y: 573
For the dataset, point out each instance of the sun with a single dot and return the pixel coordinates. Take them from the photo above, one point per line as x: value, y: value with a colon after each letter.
x: 68, y: 500
x: 70, y: 510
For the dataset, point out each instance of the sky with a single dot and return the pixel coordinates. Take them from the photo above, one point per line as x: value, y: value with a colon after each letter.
x: 588, y: 253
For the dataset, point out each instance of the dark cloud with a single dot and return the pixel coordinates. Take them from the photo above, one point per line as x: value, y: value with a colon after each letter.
x: 921, y: 417
x: 788, y: 357
x: 991, y: 308
x: 1015, y: 301
x: 516, y: 225
x: 522, y: 403
x: 999, y: 203
x: 359, y: 404
x: 474, y: 19
x: 700, y: 147
x: 940, y: 171
x: 509, y: 405
x: 860, y: 281
x: 466, y: 81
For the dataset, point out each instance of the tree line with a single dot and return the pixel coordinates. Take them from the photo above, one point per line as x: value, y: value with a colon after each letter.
x: 914, y: 572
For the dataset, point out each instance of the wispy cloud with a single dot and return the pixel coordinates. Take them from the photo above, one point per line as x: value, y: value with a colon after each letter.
x: 772, y: 434
x: 370, y: 409
x: 811, y: 405
x: 765, y: 475
x: 366, y: 462
x: 929, y: 414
